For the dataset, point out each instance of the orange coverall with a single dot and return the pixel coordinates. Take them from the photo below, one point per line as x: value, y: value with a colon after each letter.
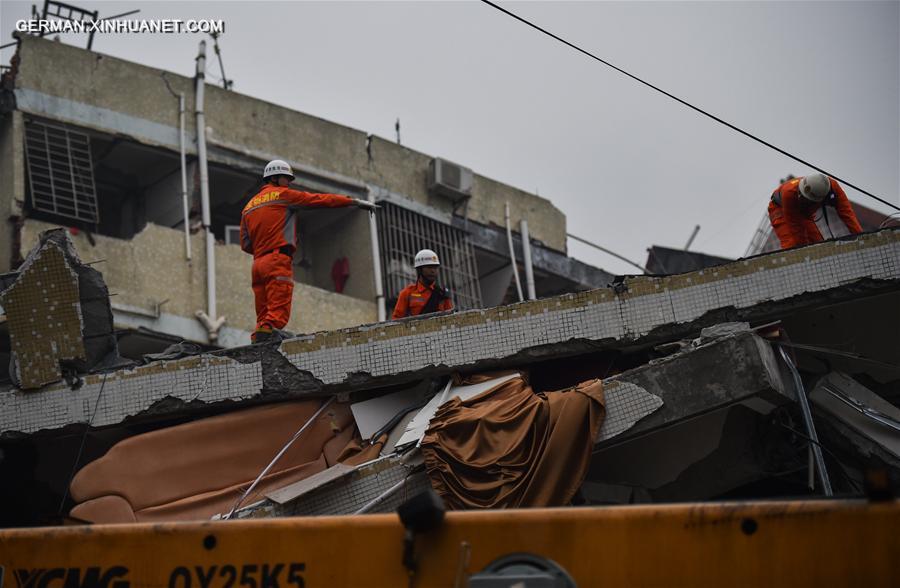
x: 794, y: 218
x: 269, y: 232
x: 413, y: 299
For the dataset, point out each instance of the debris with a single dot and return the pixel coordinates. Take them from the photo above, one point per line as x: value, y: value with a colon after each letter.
x: 859, y: 408
x: 58, y: 314
x: 373, y: 415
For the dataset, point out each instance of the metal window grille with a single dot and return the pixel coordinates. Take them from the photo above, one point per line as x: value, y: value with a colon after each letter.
x: 60, y: 171
x: 402, y: 233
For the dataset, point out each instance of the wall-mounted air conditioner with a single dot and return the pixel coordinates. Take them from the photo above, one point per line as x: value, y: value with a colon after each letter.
x: 449, y: 180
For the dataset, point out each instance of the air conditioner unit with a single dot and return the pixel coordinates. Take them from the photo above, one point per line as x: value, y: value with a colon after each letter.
x: 232, y: 234
x: 449, y: 180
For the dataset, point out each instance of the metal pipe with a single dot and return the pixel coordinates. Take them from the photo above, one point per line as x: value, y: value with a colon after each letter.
x: 526, y: 255
x: 608, y: 252
x: 187, y: 228
x: 184, y: 194
x: 691, y: 239
x: 287, y: 446
x: 449, y: 273
x: 376, y: 261
x: 824, y: 481
x: 380, y: 498
x: 512, y: 255
x: 210, y: 321
x: 868, y: 412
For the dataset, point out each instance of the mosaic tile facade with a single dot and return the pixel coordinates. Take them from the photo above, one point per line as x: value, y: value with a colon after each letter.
x: 43, y: 311
x: 457, y: 340
x: 636, y: 308
x: 108, y: 399
x: 352, y: 492
x: 626, y: 404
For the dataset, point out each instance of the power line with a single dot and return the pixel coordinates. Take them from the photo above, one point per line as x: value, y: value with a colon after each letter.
x: 688, y: 104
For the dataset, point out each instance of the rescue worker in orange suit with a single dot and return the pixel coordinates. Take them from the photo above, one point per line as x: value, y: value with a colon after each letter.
x: 425, y: 296
x: 269, y: 233
x: 794, y: 205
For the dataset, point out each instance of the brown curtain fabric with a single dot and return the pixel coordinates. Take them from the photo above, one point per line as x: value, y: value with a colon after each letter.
x: 194, y: 470
x: 510, y: 447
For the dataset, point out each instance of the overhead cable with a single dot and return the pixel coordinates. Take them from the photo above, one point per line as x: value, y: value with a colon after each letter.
x: 608, y: 252
x: 688, y: 104
x: 84, y: 435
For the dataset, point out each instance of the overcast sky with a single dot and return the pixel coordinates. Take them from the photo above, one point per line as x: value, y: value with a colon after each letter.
x: 629, y: 167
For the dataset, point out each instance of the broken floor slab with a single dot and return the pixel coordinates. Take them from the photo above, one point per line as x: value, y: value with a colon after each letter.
x: 738, y: 368
x: 380, y: 486
x: 640, y: 311
x: 710, y: 434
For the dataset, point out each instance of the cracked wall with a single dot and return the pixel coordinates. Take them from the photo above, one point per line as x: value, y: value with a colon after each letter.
x: 151, y: 269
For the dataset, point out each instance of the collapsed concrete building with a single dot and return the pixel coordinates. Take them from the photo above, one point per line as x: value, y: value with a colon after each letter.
x: 81, y: 150
x: 771, y: 376
x: 699, y: 401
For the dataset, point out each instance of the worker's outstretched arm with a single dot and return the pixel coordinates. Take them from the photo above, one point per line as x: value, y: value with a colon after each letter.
x: 845, y: 209
x: 314, y: 200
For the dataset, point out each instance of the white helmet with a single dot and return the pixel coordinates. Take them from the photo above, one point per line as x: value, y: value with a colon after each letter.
x: 426, y: 257
x: 277, y: 167
x: 815, y: 187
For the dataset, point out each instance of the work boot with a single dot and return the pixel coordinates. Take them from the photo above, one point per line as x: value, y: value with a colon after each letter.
x: 261, y: 336
x: 273, y: 336
x: 277, y: 336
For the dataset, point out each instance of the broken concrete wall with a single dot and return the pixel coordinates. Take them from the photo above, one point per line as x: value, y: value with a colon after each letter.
x: 106, y: 399
x: 732, y: 369
x: 711, y: 435
x: 86, y: 88
x: 643, y: 311
x: 150, y: 275
x: 58, y: 311
x: 143, y: 272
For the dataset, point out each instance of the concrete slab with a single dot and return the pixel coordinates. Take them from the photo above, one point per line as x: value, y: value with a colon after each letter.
x: 736, y: 368
x: 640, y: 311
